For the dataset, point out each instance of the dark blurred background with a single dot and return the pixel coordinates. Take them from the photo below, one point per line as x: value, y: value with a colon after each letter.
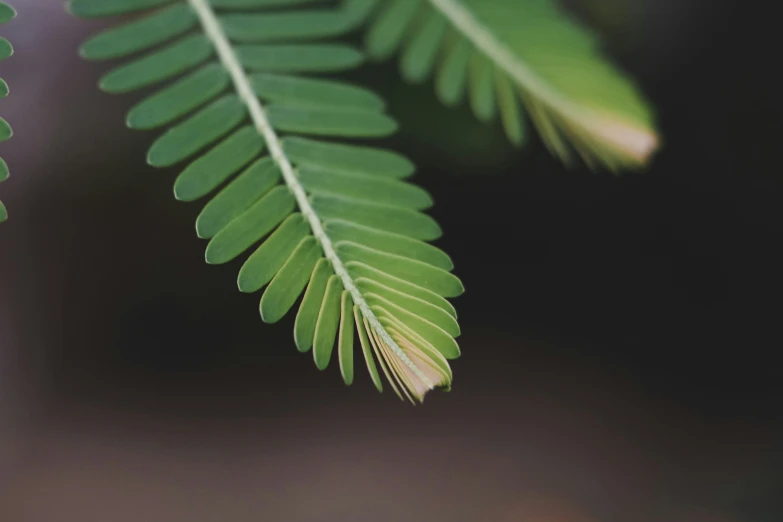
x: 619, y: 333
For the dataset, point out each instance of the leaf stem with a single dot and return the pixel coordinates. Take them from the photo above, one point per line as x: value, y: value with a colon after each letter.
x: 228, y: 58
x: 463, y: 19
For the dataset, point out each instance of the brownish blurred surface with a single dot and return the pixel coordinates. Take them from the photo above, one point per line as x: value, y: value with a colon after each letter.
x: 563, y: 444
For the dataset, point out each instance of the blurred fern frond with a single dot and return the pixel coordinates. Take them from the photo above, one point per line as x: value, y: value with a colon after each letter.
x: 7, y: 14
x: 506, y: 55
x: 332, y: 220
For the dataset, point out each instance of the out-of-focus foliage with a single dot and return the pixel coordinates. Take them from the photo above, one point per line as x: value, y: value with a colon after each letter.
x: 7, y: 13
x: 506, y: 56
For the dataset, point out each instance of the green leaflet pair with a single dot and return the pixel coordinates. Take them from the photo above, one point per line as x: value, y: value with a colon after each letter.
x: 7, y: 14
x: 269, y: 143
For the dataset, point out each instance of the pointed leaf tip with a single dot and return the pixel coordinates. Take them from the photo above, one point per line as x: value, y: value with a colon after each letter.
x: 632, y: 141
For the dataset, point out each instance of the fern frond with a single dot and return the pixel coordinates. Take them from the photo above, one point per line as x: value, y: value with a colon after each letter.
x: 506, y: 55
x: 335, y: 221
x: 7, y: 14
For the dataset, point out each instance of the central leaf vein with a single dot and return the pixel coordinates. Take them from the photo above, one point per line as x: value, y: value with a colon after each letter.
x: 228, y: 58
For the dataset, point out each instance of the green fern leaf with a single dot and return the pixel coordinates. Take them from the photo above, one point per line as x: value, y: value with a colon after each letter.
x: 7, y: 13
x: 507, y: 55
x: 334, y: 221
